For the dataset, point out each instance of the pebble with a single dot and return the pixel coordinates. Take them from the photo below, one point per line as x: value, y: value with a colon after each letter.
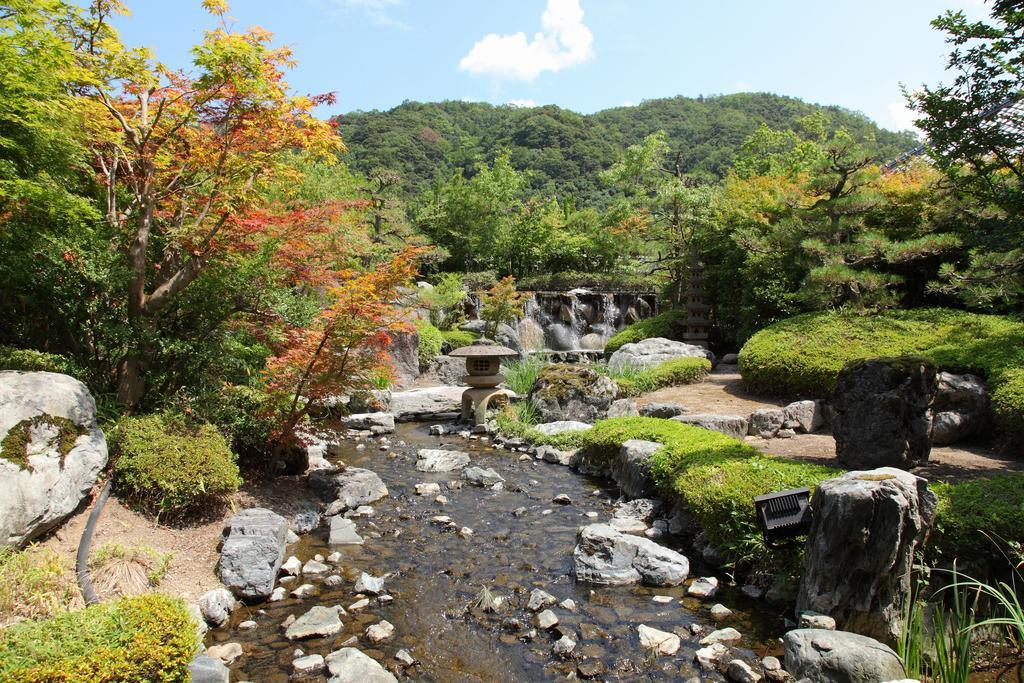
x: 360, y: 446
x: 519, y: 512
x: 816, y: 620
x: 569, y: 605
x: 539, y: 600
x: 247, y: 625
x: 661, y: 642
x: 441, y: 500
x: 372, y: 585
x: 465, y: 532
x: 662, y: 599
x: 722, y: 635
x: 704, y: 587
x: 562, y: 499
x: 335, y: 557
x: 292, y: 566
x: 564, y: 646
x: 591, y: 515
x: 358, y: 605
x: 381, y: 632
x: 740, y: 672
x: 304, y: 590
x: 546, y: 512
x: 428, y: 488
x: 227, y: 653
x: 720, y: 611
x: 708, y: 656
x: 333, y: 581
x: 770, y: 663
x: 315, y: 568
x: 591, y: 668
x: 405, y: 658
x: 442, y: 520
x: 546, y: 620
x: 308, y: 665
x: 278, y: 594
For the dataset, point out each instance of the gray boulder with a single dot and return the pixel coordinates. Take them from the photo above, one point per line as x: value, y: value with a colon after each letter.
x: 882, y: 415
x: 431, y: 403
x: 343, y: 532
x: 562, y: 427
x: 437, y: 460
x: 623, y: 407
x: 480, y: 476
x: 447, y: 370
x: 318, y: 622
x: 765, y: 422
x: 960, y: 408
x: 506, y: 335
x: 378, y: 423
x: 205, y: 669
x: 572, y: 392
x: 804, y: 416
x: 730, y: 425
x: 649, y: 353
x: 349, y: 665
x: 662, y: 410
x: 730, y: 359
x: 251, y: 553
x: 865, y: 530
x: 839, y: 657
x: 347, y: 488
x: 631, y: 468
x: 215, y: 606
x: 605, y: 556
x: 404, y: 354
x: 47, y: 480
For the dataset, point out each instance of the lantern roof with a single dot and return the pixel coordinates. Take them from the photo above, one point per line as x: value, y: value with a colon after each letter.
x: 484, y: 347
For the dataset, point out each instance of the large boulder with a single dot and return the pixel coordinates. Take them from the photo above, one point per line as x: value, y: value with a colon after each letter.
x: 881, y: 412
x: 432, y: 403
x: 349, y: 665
x: 377, y: 423
x: 825, y: 656
x: 730, y: 425
x: 347, y: 488
x: 404, y: 354
x: 447, y: 370
x: 804, y: 416
x: 649, y: 353
x: 572, y: 392
x: 631, y: 469
x: 866, y: 527
x: 608, y: 557
x: 960, y: 408
x: 53, y: 451
x: 251, y: 553
x: 562, y: 427
x: 440, y: 460
x: 766, y: 422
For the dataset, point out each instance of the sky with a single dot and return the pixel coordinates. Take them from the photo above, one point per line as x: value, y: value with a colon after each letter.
x: 585, y: 55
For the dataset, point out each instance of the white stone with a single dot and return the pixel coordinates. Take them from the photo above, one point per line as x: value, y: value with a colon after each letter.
x: 381, y: 632
x: 722, y: 635
x: 437, y: 460
x: 349, y: 665
x: 704, y: 587
x: 308, y: 665
x: 662, y: 642
x: 371, y: 585
x: 428, y: 488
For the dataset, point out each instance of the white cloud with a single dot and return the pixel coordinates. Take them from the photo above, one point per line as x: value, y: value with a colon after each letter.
x: 522, y: 103
x: 628, y: 103
x: 564, y: 41
x: 901, y: 117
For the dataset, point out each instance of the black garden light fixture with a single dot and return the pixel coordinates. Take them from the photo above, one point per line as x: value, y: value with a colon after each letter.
x: 783, y: 515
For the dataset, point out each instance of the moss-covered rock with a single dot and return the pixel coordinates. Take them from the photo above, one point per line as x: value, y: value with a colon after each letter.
x: 14, y: 447
x: 672, y: 373
x: 571, y: 392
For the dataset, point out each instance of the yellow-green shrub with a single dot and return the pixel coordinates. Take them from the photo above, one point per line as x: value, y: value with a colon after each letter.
x: 430, y: 343
x: 167, y: 465
x: 147, y: 638
x: 34, y: 583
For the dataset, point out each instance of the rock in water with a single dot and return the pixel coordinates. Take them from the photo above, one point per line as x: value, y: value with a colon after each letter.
x: 652, y: 352
x: 480, y: 476
x: 661, y: 642
x: 866, y: 528
x: 216, y: 606
x: 47, y: 480
x: 436, y: 460
x: 343, y: 532
x: 371, y: 585
x: 205, y: 669
x: 349, y: 665
x: 882, y: 415
x: 608, y: 557
x: 318, y: 622
x: 348, y: 488
x: 377, y: 423
x: 631, y: 470
x: 572, y: 392
x: 252, y: 552
x: 730, y: 425
x: 839, y: 657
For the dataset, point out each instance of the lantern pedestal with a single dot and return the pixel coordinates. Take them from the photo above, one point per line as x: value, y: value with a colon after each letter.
x: 483, y: 363
x: 476, y: 401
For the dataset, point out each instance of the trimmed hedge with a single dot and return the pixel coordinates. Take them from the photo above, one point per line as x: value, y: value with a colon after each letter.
x: 668, y: 324
x: 144, y: 638
x: 671, y: 373
x: 172, y: 467
x: 802, y: 356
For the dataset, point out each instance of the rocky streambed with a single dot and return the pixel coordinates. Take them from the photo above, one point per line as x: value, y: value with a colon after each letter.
x: 478, y: 584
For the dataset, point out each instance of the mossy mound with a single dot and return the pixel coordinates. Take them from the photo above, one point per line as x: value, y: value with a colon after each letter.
x: 669, y: 325
x: 802, y: 356
x: 671, y: 373
x: 145, y: 638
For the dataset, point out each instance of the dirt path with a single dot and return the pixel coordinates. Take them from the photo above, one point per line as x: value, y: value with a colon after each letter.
x: 194, y: 547
x: 723, y: 393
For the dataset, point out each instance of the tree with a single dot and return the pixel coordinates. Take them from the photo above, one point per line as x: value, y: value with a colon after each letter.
x: 181, y: 158
x: 444, y: 301
x: 975, y: 131
x: 500, y: 304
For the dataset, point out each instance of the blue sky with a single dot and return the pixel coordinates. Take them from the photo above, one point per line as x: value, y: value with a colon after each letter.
x: 585, y: 55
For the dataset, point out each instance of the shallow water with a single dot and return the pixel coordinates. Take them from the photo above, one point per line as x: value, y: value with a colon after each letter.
x: 436, y: 573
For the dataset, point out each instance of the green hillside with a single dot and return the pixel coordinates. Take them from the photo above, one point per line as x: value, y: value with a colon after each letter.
x: 563, y: 151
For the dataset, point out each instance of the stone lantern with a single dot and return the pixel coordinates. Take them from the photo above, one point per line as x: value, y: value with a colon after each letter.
x: 483, y: 365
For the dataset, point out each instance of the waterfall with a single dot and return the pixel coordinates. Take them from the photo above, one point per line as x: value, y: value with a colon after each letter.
x: 579, y: 320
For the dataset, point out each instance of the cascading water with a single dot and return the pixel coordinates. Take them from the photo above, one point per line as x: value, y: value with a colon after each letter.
x: 580, y: 319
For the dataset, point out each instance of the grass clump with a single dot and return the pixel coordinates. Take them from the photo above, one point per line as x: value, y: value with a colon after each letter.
x: 118, y: 570
x: 672, y: 373
x: 174, y: 468
x: 35, y: 583
x: 518, y: 420
x: 521, y: 374
x: 457, y: 338
x: 802, y: 356
x: 668, y: 324
x: 144, y: 638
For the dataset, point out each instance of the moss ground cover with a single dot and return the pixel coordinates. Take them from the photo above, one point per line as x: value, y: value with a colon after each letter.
x: 667, y: 324
x: 802, y: 356
x: 145, y: 638
x: 671, y: 373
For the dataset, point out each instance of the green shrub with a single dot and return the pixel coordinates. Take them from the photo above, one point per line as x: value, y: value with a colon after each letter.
x: 169, y: 466
x: 671, y: 373
x: 145, y: 638
x: 968, y: 508
x: 243, y: 414
x: 430, y: 343
x: 518, y: 420
x: 29, y: 360
x: 34, y: 582
x: 457, y: 338
x: 802, y: 356
x: 668, y: 324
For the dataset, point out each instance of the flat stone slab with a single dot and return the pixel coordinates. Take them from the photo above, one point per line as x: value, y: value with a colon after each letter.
x: 349, y: 665
x: 562, y: 427
x: 436, y: 460
x: 343, y: 532
x: 318, y: 622
x: 432, y: 403
x: 730, y: 425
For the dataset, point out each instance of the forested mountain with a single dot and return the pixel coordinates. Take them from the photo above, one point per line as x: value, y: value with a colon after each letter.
x: 563, y: 151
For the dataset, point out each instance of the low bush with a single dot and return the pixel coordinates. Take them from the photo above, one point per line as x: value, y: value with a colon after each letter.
x: 802, y: 356
x: 145, y: 638
x: 167, y: 465
x: 966, y: 509
x: 671, y: 373
x: 668, y: 324
x: 35, y: 583
x: 28, y: 360
x: 457, y: 338
x: 244, y: 415
x: 431, y: 341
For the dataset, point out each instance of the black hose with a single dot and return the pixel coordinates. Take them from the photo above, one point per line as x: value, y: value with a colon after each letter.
x: 82, y: 560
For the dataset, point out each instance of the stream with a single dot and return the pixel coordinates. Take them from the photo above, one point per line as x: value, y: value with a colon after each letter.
x: 435, y: 572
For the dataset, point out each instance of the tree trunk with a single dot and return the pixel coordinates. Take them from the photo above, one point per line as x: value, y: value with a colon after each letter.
x: 131, y: 385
